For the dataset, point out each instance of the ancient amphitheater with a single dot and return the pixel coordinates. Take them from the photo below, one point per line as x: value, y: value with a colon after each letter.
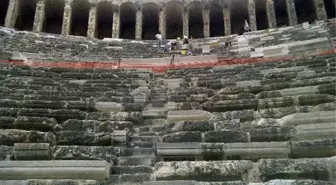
x: 86, y: 98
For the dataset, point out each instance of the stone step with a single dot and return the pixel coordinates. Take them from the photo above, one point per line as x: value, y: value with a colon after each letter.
x: 272, y: 182
x: 147, y: 134
x: 131, y: 169
x: 137, y: 151
x: 125, y: 179
x: 65, y: 169
x: 48, y: 182
x: 142, y: 144
x: 137, y: 160
x: 143, y: 138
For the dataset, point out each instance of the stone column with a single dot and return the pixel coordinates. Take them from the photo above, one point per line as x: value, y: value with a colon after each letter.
x: 320, y: 10
x: 39, y: 16
x: 66, y: 19
x: 227, y: 17
x: 162, y: 22
x: 271, y: 14
x: 206, y: 22
x: 91, y: 32
x: 116, y: 23
x: 291, y: 12
x: 11, y: 14
x: 252, y: 15
x: 138, y: 24
x: 185, y: 19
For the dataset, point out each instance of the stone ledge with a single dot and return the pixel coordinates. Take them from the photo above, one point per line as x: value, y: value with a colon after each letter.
x: 48, y: 182
x: 21, y: 170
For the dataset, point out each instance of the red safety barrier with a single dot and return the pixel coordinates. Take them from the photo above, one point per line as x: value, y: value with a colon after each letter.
x: 156, y: 68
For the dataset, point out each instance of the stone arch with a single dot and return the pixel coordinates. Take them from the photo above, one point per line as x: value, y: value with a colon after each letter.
x: 104, y: 19
x: 216, y: 20
x: 127, y: 20
x: 261, y: 14
x: 79, y: 17
x: 26, y: 15
x: 239, y: 13
x: 281, y: 13
x: 174, y: 22
x: 150, y: 25
x: 53, y: 16
x: 196, y: 19
x: 305, y: 11
x: 330, y: 8
x: 3, y: 11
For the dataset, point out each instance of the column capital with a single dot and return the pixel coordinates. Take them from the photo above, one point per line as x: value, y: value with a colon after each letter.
x: 226, y: 3
x: 40, y: 2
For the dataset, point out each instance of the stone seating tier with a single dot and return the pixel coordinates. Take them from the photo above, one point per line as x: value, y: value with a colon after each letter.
x: 248, y: 124
x: 296, y: 40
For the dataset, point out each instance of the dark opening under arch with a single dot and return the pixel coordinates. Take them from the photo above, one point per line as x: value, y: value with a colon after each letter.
x: 174, y: 23
x: 150, y: 25
x: 104, y: 20
x: 196, y: 20
x: 3, y: 11
x: 239, y: 13
x: 216, y: 20
x: 26, y: 15
x: 281, y: 13
x: 79, y: 17
x: 330, y: 8
x: 54, y: 10
x: 127, y: 20
x: 305, y: 11
x: 261, y: 15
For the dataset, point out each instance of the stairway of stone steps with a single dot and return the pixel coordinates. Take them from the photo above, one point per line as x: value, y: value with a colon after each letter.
x: 136, y: 160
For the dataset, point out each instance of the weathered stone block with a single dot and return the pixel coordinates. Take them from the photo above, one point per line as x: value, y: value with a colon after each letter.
x: 31, y: 151
x: 233, y: 124
x: 61, y: 182
x: 6, y: 152
x: 298, y: 182
x: 256, y: 150
x: 226, y: 136
x: 131, y: 169
x: 243, y: 115
x: 315, y: 131
x: 35, y: 123
x: 231, y: 105
x: 108, y: 107
x: 83, y: 138
x: 316, y: 168
x: 134, y: 117
x: 11, y: 136
x: 199, y: 98
x: 119, y: 137
x: 212, y: 149
x: 94, y: 126
x: 79, y: 125
x: 22, y: 170
x: 175, y: 116
x: 201, y: 170
x: 313, y: 148
x: 308, y: 118
x: 178, y: 149
x: 182, y: 137
x: 106, y: 153
x: 48, y: 182
x: 267, y: 134
x: 201, y: 126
